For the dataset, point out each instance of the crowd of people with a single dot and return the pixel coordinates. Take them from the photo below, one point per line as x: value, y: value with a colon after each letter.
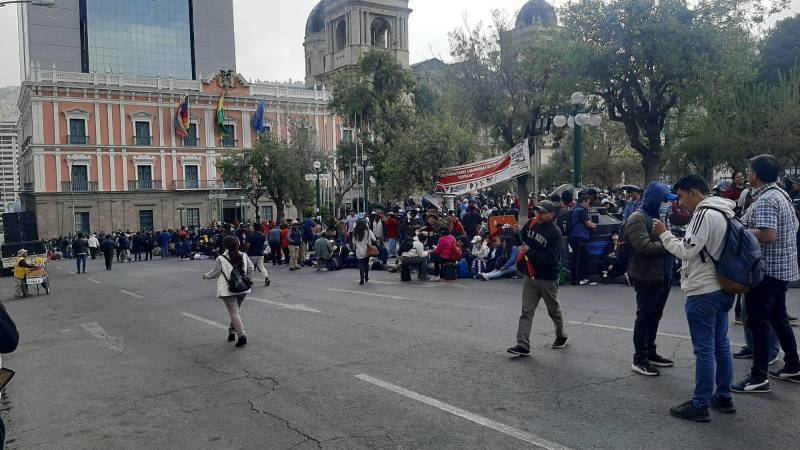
x: 667, y: 234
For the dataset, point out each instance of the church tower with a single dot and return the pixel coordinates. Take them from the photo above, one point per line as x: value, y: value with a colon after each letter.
x: 340, y: 32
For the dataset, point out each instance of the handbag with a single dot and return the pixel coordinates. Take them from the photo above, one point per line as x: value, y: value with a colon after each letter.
x: 239, y: 281
x: 373, y: 252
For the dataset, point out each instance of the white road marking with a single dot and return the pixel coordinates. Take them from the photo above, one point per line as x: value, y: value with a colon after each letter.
x: 130, y: 293
x: 103, y: 338
x: 94, y: 281
x: 369, y: 294
x: 71, y: 272
x: 298, y: 307
x: 392, y: 283
x: 489, y: 423
x: 630, y: 330
x: 205, y: 321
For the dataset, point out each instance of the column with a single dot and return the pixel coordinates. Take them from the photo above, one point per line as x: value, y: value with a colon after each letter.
x: 38, y: 170
x: 123, y: 136
x: 100, y: 170
x: 246, y: 138
x: 124, y: 169
x: 97, y: 133
x: 174, y: 166
x: 56, y: 124
x: 112, y: 168
x: 163, y: 169
x: 58, y: 169
x: 110, y: 110
x: 211, y: 165
x: 161, y: 142
x: 209, y: 121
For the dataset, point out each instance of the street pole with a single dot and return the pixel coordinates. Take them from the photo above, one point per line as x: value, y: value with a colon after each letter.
x: 577, y: 155
x: 319, y: 196
x: 366, y: 190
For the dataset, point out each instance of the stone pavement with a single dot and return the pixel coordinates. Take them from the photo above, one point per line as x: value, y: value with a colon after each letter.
x: 137, y: 358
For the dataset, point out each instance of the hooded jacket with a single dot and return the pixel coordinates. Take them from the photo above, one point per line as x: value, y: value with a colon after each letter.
x: 650, y: 262
x: 705, y: 233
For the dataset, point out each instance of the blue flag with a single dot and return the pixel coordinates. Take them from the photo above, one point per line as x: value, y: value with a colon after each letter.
x: 258, y: 118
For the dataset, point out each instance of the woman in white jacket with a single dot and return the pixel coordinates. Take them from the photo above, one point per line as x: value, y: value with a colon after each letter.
x: 223, y: 267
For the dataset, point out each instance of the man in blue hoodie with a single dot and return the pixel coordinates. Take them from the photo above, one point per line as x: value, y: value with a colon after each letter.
x: 650, y: 270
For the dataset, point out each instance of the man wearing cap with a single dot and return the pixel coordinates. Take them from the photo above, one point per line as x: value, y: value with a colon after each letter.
x: 21, y: 289
x: 594, y: 199
x: 650, y: 270
x: 542, y: 262
x: 634, y: 202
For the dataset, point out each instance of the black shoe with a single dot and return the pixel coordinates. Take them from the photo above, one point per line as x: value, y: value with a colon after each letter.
x: 242, y: 341
x: 723, y: 405
x: 231, y: 337
x: 267, y: 282
x: 519, y: 350
x: 744, y: 353
x: 750, y: 385
x: 560, y: 342
x: 645, y: 369
x: 660, y: 361
x: 782, y: 374
x: 794, y: 320
x: 361, y: 283
x: 689, y: 412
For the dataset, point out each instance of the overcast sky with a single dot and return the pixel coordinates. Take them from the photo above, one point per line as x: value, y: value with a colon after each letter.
x: 269, y: 33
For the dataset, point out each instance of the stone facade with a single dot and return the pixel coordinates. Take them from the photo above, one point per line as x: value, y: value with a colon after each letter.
x: 340, y: 32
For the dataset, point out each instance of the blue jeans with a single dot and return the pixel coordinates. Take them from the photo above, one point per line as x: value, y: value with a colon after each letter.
x: 391, y: 245
x: 80, y: 260
x: 708, y: 324
x: 495, y: 274
x: 164, y: 251
x: 774, y: 344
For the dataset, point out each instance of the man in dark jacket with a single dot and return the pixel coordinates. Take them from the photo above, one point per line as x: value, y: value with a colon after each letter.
x: 471, y: 221
x: 650, y: 270
x: 107, y: 247
x: 542, y: 263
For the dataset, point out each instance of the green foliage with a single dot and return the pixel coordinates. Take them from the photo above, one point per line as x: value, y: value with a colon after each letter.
x: 780, y: 50
x: 643, y: 60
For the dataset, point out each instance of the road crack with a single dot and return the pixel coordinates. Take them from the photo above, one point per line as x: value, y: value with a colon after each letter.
x: 286, y: 423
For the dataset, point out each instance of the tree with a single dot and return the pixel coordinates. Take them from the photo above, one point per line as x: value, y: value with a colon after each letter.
x: 266, y: 169
x: 504, y: 85
x: 643, y: 59
x: 780, y: 50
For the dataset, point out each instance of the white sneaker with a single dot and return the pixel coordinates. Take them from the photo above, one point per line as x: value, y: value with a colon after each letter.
x: 593, y: 283
x: 583, y: 282
x: 434, y: 278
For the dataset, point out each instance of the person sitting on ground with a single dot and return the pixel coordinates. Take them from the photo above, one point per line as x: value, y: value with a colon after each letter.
x: 495, y: 254
x: 509, y: 267
x: 480, y: 251
x: 323, y: 251
x: 443, y: 253
x: 413, y: 255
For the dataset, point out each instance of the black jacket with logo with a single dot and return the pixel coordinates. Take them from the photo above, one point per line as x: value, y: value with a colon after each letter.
x: 544, y: 249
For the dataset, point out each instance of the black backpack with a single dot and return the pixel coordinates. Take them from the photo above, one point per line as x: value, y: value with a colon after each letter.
x: 564, y: 220
x: 238, y: 281
x: 406, y: 246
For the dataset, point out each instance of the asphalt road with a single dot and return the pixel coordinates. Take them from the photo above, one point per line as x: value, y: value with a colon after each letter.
x: 137, y: 358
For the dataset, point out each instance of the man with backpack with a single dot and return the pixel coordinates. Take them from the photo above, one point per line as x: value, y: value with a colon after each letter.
x: 773, y: 221
x: 650, y: 270
x: 707, y: 304
x: 580, y: 229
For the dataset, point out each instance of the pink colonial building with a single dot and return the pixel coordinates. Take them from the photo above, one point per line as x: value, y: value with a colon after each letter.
x: 99, y: 152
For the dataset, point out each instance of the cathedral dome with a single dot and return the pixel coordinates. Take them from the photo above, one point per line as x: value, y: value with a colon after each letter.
x: 536, y: 12
x: 316, y: 20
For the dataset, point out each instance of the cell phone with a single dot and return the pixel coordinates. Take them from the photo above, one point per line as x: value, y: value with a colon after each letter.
x: 5, y: 377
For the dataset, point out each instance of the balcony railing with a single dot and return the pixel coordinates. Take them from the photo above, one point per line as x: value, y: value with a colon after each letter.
x: 143, y: 140
x: 226, y: 142
x: 144, y: 185
x: 77, y: 140
x: 183, y: 185
x: 190, y: 142
x: 79, y: 186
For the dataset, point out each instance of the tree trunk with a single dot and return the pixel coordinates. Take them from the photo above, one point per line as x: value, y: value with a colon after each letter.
x: 255, y: 206
x: 280, y: 210
x: 651, y: 163
x: 522, y: 191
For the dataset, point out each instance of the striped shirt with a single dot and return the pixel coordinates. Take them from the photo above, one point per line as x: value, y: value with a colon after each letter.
x: 772, y: 209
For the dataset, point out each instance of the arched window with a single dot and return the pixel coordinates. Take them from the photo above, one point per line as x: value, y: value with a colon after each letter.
x: 341, y: 35
x: 380, y: 32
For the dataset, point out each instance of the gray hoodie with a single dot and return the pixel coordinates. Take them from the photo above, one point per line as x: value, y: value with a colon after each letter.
x: 706, y: 231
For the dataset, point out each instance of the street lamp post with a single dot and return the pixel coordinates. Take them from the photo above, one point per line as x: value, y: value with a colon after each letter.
x: 578, y: 118
x: 367, y: 169
x: 318, y: 176
x: 180, y: 213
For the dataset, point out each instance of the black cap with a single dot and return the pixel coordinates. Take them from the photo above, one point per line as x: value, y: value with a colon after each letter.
x: 546, y: 206
x: 795, y: 179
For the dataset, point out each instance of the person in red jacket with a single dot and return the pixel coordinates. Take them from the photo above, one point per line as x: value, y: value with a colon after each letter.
x: 443, y: 252
x: 285, y: 242
x: 390, y: 226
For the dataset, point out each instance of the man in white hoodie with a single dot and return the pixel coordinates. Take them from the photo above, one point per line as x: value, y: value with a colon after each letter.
x: 707, y: 305
x: 94, y: 245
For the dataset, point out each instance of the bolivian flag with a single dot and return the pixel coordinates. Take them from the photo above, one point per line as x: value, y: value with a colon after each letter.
x: 221, y: 115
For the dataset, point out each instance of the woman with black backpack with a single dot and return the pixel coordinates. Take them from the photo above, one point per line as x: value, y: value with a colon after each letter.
x: 233, y: 271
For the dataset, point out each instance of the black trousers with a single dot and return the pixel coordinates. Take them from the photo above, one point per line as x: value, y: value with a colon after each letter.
x: 109, y: 259
x: 650, y: 302
x: 580, y: 258
x: 765, y: 305
x: 363, y: 268
x: 93, y: 252
x: 275, y: 253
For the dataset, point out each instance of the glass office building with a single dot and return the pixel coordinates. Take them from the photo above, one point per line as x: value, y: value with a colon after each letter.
x: 138, y: 37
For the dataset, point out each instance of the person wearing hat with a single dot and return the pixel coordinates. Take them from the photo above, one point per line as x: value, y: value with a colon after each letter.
x: 480, y: 251
x: 633, y: 204
x: 20, y: 288
x: 542, y: 261
x: 650, y: 270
